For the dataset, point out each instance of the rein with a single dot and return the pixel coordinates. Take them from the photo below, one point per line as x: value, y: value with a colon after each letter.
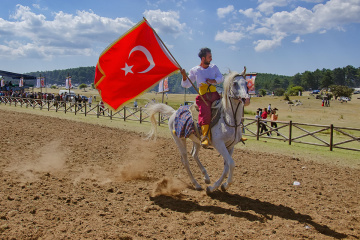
x: 236, y: 125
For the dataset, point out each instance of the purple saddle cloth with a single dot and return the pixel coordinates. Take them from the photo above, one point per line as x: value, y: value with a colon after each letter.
x: 184, y: 124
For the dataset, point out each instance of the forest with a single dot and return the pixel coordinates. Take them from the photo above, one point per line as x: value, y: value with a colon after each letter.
x: 348, y: 76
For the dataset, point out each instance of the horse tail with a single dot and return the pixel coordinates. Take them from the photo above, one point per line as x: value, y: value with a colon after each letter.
x: 153, y: 109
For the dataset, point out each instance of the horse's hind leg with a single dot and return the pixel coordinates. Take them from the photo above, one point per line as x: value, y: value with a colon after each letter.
x: 181, y: 143
x: 228, y: 166
x: 195, y: 154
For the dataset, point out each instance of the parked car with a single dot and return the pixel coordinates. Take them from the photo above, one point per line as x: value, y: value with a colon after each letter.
x: 84, y: 97
x: 344, y: 99
x: 316, y: 92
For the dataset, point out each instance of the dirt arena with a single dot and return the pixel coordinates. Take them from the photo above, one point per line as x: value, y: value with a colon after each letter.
x: 61, y: 179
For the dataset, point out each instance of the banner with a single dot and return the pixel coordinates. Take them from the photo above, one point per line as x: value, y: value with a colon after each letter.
x: 250, y: 79
x: 38, y: 82
x: 21, y: 82
x: 132, y: 64
x: 2, y: 82
x: 42, y: 82
x: 68, y: 83
x: 164, y: 85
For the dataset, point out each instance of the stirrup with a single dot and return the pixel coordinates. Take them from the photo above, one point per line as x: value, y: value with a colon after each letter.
x: 206, y: 146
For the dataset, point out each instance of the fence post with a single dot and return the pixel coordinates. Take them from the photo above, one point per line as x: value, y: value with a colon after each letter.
x: 75, y: 107
x: 258, y: 129
x: 65, y: 105
x: 48, y: 105
x: 331, y: 136
x: 110, y: 114
x: 124, y: 113
x: 290, y: 131
x: 140, y: 115
x: 98, y: 110
x: 85, y: 108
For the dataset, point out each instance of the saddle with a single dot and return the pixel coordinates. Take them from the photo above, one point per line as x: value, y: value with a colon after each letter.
x: 215, y: 115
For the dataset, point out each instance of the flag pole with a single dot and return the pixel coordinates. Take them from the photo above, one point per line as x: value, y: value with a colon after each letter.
x: 175, y: 61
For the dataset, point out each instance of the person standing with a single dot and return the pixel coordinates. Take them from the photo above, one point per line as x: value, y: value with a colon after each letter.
x: 90, y: 101
x: 274, y: 118
x: 264, y: 116
x: 206, y: 76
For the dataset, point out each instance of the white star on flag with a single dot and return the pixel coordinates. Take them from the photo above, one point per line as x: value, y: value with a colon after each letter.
x: 127, y: 69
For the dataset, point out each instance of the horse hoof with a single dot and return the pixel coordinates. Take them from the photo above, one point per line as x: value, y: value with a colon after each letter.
x: 207, y: 180
x: 223, y: 188
x: 208, y: 190
x: 198, y: 188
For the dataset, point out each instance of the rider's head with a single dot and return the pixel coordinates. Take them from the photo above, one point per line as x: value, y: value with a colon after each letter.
x: 203, y: 52
x: 205, y: 56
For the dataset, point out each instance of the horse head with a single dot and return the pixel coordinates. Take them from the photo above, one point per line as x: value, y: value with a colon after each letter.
x: 235, y: 88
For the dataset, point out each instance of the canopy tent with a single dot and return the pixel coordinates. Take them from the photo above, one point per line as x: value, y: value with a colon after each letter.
x: 16, y: 75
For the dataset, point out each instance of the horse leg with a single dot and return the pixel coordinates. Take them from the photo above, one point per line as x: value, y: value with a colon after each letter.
x: 195, y: 154
x: 181, y: 143
x: 228, y: 166
x: 226, y: 184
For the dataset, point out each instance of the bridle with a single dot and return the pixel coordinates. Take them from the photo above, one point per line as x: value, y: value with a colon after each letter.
x: 234, y: 112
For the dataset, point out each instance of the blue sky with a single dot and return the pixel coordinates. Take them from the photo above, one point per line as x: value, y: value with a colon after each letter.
x: 268, y: 36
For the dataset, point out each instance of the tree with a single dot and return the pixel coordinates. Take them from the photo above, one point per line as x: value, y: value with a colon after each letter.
x: 327, y: 79
x: 53, y: 87
x: 341, y: 91
x: 276, y: 83
x: 294, y: 91
x: 339, y: 76
x: 308, y: 80
x: 262, y: 92
x: 279, y: 92
x: 83, y: 85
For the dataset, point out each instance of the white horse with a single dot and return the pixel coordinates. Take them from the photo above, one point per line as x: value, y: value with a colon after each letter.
x: 225, y: 134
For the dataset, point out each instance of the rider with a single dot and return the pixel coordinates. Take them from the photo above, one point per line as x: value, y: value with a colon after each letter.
x: 206, y: 76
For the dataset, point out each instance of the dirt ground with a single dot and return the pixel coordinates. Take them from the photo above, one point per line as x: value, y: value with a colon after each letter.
x: 61, y: 179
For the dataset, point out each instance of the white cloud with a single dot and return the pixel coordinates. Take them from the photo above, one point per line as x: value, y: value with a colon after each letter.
x: 250, y: 13
x: 222, y: 12
x: 229, y: 37
x: 33, y: 35
x: 298, y: 40
x: 267, y: 6
x: 265, y: 45
x: 165, y: 22
x: 334, y: 14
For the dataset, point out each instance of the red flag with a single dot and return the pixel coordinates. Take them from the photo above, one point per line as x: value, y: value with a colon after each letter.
x: 131, y: 65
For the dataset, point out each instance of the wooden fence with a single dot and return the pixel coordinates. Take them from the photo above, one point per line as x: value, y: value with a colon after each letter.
x: 291, y: 132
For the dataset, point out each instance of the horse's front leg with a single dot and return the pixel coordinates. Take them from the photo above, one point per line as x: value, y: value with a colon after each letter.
x: 226, y: 184
x: 228, y: 166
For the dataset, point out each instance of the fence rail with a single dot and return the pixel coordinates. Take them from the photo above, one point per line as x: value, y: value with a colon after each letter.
x: 313, y: 134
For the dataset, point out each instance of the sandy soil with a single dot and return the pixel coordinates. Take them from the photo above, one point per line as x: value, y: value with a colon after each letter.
x: 68, y: 180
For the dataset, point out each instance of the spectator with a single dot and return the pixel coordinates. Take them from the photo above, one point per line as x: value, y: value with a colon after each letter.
x: 264, y: 116
x: 90, y: 101
x: 274, y: 118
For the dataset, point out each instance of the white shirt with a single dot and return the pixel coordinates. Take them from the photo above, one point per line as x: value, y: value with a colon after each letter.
x: 200, y: 74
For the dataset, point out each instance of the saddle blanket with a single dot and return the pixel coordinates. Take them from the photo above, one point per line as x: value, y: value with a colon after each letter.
x: 184, y: 124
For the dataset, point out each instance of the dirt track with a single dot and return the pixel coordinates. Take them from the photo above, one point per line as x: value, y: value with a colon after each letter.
x: 69, y: 180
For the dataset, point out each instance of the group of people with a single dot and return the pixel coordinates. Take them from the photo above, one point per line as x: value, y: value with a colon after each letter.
x: 264, y: 113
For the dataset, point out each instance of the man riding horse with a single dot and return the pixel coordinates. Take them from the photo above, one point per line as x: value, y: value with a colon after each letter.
x: 206, y: 75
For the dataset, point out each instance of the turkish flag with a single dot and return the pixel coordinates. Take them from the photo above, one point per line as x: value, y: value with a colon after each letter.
x: 131, y: 65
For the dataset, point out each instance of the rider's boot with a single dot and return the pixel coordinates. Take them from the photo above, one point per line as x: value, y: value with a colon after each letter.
x: 205, y: 139
x: 243, y: 139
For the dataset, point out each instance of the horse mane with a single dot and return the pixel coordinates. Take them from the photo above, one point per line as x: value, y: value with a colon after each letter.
x: 227, y: 85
